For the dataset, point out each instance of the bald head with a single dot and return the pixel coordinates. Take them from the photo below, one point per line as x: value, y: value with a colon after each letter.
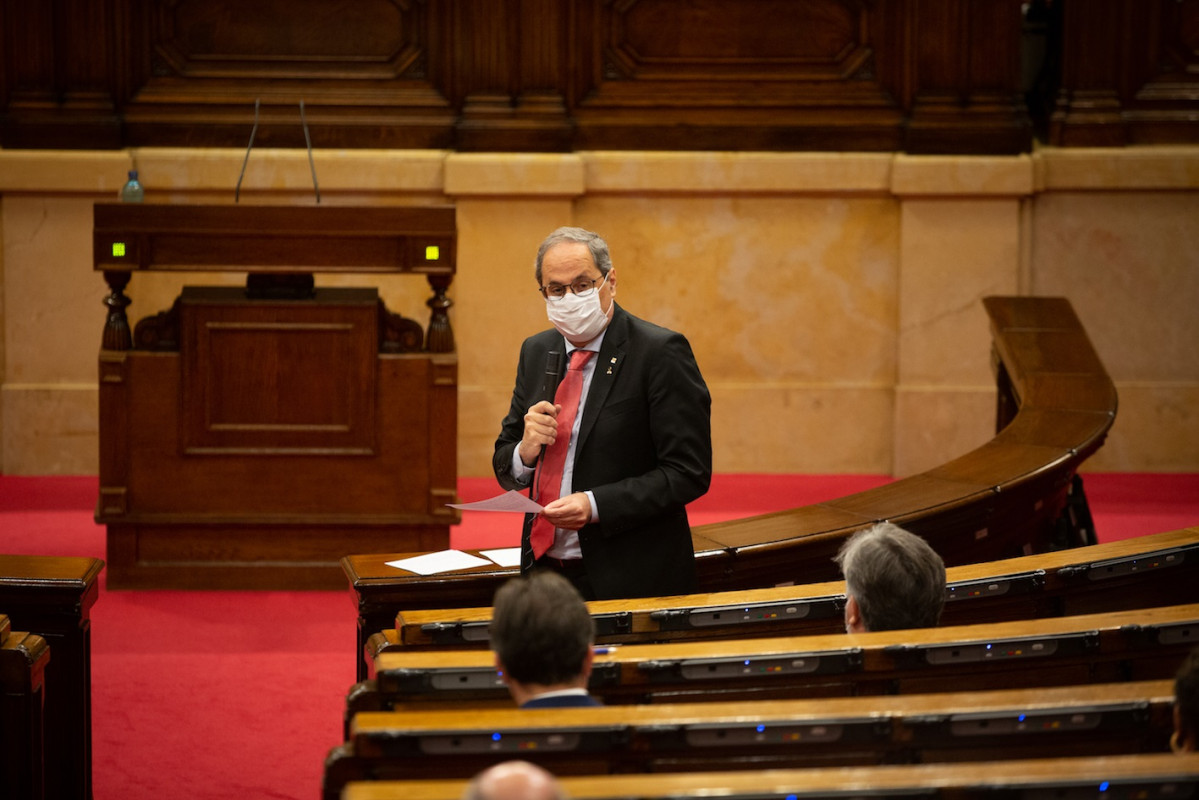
x: 514, y: 780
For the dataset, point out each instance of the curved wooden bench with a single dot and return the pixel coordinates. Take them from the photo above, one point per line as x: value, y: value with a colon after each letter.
x: 1155, y: 570
x: 1055, y: 405
x: 1141, y: 775
x: 23, y: 660
x: 1143, y: 644
x: 1061, y: 721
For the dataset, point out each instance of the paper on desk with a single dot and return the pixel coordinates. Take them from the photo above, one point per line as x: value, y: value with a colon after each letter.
x: 503, y: 556
x: 510, y: 500
x: 436, y: 563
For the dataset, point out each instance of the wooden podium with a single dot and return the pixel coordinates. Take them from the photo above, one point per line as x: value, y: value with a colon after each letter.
x: 252, y: 437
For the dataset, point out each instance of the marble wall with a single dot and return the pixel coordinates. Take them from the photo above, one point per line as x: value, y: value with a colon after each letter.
x: 832, y: 299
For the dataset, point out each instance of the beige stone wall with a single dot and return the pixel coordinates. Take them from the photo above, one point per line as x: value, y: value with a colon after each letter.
x: 833, y: 300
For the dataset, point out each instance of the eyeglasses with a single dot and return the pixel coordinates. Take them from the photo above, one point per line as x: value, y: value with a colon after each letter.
x: 583, y: 287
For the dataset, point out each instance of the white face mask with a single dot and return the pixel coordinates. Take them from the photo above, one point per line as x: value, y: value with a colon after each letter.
x: 580, y: 318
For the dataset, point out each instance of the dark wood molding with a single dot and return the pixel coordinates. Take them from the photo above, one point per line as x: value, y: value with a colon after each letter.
x: 936, y: 76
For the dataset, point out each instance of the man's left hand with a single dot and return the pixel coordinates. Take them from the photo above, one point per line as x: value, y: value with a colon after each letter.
x: 571, y: 512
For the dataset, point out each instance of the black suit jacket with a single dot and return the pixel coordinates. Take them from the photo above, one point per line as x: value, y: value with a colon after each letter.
x: 644, y: 450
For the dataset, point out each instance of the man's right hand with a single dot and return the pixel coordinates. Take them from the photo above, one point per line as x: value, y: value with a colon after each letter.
x: 541, y: 428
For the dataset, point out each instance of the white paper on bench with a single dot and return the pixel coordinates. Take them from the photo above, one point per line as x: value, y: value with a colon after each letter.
x: 441, y: 561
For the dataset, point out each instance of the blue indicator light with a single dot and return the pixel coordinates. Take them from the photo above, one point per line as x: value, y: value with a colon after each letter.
x: 1103, y: 786
x: 1020, y: 718
x: 989, y: 646
x: 747, y: 662
x: 761, y: 728
x: 495, y: 737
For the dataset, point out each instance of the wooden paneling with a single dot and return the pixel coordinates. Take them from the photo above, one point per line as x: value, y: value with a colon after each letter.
x: 1129, y: 73
x: 541, y: 75
x: 311, y: 386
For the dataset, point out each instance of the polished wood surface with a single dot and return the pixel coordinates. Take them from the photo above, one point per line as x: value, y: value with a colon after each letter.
x: 1001, y: 500
x: 1154, y: 570
x: 520, y: 75
x: 23, y: 660
x: 53, y: 596
x: 672, y: 737
x: 1142, y: 644
x: 1149, y: 773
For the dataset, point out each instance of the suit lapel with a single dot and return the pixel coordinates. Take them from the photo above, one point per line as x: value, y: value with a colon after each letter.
x: 611, y: 358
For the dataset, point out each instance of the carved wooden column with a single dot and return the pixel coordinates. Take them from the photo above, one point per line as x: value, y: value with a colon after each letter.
x: 440, y: 338
x: 1129, y: 73
x: 510, y: 67
x: 1087, y: 111
x: 116, y: 328
x: 966, y: 76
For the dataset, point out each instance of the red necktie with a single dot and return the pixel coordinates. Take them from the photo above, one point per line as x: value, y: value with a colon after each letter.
x: 549, y: 476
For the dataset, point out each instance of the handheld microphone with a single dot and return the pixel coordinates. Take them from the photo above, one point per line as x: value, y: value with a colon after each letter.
x: 549, y: 387
x: 553, y: 369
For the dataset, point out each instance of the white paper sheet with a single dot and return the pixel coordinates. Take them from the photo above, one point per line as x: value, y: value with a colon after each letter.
x: 510, y: 500
x: 436, y: 563
x: 504, y: 556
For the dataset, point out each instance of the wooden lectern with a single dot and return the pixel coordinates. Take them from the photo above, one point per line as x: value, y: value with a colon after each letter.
x: 252, y: 437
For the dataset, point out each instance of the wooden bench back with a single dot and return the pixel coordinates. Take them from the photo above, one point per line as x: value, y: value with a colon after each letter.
x: 1094, y: 648
x: 1129, y: 776
x: 23, y: 660
x: 1023, y: 723
x: 1159, y: 569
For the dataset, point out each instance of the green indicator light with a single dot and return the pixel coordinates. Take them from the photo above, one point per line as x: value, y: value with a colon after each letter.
x: 432, y: 253
x: 118, y: 249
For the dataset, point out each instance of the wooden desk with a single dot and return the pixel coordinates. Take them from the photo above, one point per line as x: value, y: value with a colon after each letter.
x: 1127, y: 776
x: 1144, y: 644
x: 924, y: 728
x: 1155, y: 570
x: 53, y: 597
x: 250, y: 438
x: 1004, y: 499
x: 23, y: 660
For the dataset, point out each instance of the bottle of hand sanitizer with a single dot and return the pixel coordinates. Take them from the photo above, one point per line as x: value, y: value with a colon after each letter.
x: 132, y: 192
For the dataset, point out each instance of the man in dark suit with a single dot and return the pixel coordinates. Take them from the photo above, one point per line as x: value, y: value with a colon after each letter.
x: 542, y: 633
x: 641, y: 447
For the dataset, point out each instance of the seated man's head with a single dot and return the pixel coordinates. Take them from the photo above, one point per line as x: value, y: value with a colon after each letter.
x: 893, y: 579
x: 1185, y: 738
x: 514, y: 780
x: 542, y: 633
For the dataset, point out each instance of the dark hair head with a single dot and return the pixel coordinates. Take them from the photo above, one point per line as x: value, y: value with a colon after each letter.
x: 897, y: 579
x: 541, y: 629
x: 595, y: 244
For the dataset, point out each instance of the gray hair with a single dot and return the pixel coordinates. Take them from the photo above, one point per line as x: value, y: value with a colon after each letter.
x: 594, y: 242
x: 897, y: 579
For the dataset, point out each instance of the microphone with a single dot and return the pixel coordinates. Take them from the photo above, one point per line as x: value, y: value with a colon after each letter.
x: 249, y: 147
x: 549, y: 387
x: 553, y: 369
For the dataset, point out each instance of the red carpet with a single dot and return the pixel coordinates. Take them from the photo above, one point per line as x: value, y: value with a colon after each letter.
x: 240, y: 694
